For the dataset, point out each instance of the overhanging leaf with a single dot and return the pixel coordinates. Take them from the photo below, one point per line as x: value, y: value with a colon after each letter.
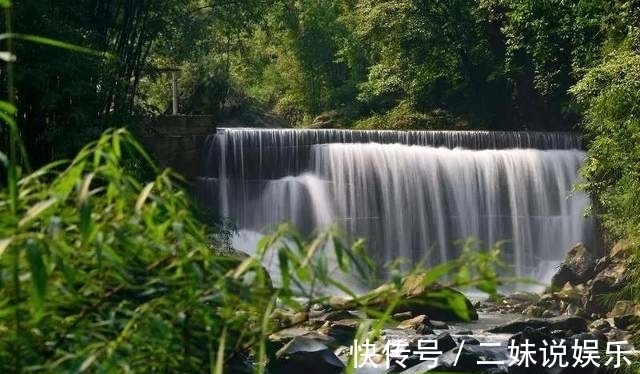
x: 4, y: 244
x: 52, y: 42
x: 143, y: 196
x: 35, y: 211
x: 458, y: 304
x: 87, y: 363
x: 8, y: 108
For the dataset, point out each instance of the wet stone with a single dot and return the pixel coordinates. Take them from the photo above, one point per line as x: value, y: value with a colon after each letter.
x: 337, y: 315
x: 438, y: 325
x: 402, y: 316
x: 468, y: 340
x: 304, y: 355
x: 570, y: 323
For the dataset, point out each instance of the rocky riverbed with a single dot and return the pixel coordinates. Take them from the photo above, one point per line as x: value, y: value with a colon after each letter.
x: 570, y: 328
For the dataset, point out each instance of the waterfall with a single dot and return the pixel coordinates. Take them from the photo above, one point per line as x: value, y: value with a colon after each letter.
x: 410, y: 194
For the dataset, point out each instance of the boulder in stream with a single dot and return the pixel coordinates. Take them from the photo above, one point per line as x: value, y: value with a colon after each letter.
x: 576, y: 268
x: 565, y: 323
x: 611, y: 275
x: 419, y: 324
x: 304, y: 355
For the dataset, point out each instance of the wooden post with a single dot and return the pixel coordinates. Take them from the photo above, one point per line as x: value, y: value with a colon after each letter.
x: 174, y: 92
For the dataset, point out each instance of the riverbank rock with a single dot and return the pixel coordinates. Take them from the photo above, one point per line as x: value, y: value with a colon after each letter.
x: 336, y: 315
x: 564, y: 323
x: 467, y: 362
x: 402, y: 316
x: 601, y: 325
x: 285, y: 318
x: 420, y: 325
x: 518, y: 302
x: 445, y: 342
x: 438, y: 325
x: 577, y: 267
x: 534, y: 311
x: 625, y: 313
x: 611, y: 275
x: 343, y: 331
x: 583, y: 284
x: 566, y: 301
x: 304, y: 355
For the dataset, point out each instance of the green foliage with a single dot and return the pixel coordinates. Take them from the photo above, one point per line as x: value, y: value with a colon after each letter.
x: 202, y: 40
x: 99, y: 272
x: 493, y: 64
x: 102, y: 273
x: 403, y: 117
x: 413, y: 47
x: 293, y: 62
x: 611, y: 93
x: 117, y: 270
x: 67, y: 99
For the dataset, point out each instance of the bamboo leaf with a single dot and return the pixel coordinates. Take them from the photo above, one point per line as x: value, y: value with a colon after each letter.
x: 140, y: 151
x: 143, y: 196
x: 85, y: 222
x: 339, y: 250
x: 243, y: 267
x: 87, y: 363
x: 35, y: 211
x: 262, y: 348
x: 283, y: 263
x: 84, y: 189
x: 7, y: 114
x: 52, y: 42
x: 8, y: 108
x: 463, y: 276
x: 458, y: 305
x: 9, y: 120
x: 65, y: 182
x: 4, y: 244
x: 219, y: 367
x: 39, y: 274
x: 116, y: 144
x: 43, y: 171
x: 437, y: 272
x: 264, y: 244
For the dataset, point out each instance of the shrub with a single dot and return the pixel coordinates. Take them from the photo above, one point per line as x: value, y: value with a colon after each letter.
x: 404, y: 117
x: 101, y: 272
x: 95, y: 267
x: 610, y: 94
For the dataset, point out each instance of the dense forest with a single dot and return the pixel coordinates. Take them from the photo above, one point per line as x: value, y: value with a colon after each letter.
x: 453, y: 64
x: 103, y: 272
x: 487, y: 64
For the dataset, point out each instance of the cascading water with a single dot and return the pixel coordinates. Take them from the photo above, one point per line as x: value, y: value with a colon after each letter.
x: 410, y: 194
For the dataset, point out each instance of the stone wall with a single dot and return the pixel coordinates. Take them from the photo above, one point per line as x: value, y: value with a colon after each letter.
x: 176, y: 141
